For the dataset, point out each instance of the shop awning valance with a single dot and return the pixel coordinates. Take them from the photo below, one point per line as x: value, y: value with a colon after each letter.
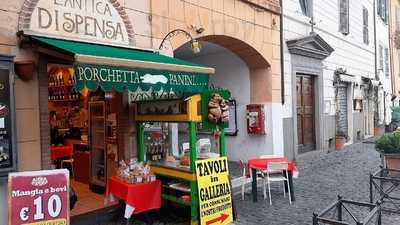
x: 120, y: 69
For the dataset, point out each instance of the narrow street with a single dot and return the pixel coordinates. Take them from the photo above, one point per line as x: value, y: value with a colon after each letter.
x: 322, y: 177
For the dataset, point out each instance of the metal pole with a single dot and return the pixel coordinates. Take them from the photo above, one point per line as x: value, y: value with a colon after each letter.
x: 339, y: 208
x: 371, y: 194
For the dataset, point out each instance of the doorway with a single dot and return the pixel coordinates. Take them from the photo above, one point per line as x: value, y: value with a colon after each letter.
x: 343, y: 108
x: 305, y: 113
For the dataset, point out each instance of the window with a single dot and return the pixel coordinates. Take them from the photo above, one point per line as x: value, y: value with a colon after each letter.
x: 306, y: 7
x: 365, y: 26
x: 382, y: 6
x: 387, y: 62
x: 398, y: 18
x: 344, y: 17
x: 381, y: 57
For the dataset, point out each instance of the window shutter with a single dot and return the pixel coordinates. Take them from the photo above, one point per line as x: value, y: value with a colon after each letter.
x: 381, y: 57
x: 379, y: 7
x: 365, y: 26
x: 387, y: 62
x: 344, y: 16
x: 398, y: 18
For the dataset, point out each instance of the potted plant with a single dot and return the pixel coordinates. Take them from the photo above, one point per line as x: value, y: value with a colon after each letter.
x: 389, y: 147
x: 379, y: 129
x: 341, y: 138
x: 25, y: 69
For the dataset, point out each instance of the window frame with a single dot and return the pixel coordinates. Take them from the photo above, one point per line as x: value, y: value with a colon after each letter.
x: 308, y: 7
x: 365, y: 14
x: 347, y: 30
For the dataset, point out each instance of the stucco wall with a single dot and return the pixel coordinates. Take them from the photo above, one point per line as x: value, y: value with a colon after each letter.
x: 232, y: 73
x: 394, y: 51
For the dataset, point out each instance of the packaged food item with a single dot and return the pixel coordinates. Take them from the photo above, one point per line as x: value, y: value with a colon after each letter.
x: 135, y: 172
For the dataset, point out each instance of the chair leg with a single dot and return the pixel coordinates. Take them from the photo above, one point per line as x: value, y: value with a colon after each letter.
x: 264, y: 189
x: 290, y: 197
x: 269, y: 193
x: 284, y: 192
x: 243, y: 186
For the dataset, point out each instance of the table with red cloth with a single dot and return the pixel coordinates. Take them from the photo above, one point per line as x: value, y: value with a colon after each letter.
x: 57, y: 152
x: 138, y: 197
x: 262, y: 164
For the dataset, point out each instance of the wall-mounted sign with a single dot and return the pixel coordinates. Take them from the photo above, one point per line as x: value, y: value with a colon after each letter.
x: 7, y: 156
x: 91, y: 20
x: 140, y: 96
x: 215, y: 199
x: 38, y: 198
x: 133, y: 79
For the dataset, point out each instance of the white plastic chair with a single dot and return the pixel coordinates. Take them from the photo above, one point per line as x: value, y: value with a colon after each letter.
x: 247, y: 178
x: 272, y: 176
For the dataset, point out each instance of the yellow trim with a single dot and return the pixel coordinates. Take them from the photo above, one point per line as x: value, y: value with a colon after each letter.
x: 194, y: 222
x: 192, y: 115
x: 173, y: 173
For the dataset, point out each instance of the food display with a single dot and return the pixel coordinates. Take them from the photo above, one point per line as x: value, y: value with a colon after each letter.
x: 135, y: 172
x: 218, y: 109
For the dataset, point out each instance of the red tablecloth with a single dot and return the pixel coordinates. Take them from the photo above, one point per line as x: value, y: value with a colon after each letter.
x: 262, y: 164
x: 61, y: 151
x: 143, y: 196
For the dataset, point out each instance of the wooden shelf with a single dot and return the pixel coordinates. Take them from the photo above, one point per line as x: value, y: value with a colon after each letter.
x: 60, y: 86
x: 66, y: 100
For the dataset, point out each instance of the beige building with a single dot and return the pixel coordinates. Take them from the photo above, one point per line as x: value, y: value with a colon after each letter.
x: 248, y: 31
x: 394, y: 32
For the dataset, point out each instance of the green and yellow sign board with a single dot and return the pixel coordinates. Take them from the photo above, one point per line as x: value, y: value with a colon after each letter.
x: 110, y: 78
x: 215, y: 199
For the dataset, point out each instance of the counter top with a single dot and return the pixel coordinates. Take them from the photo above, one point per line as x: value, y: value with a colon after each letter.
x: 171, y: 165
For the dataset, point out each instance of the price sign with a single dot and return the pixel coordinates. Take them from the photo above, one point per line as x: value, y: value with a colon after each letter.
x: 39, y: 197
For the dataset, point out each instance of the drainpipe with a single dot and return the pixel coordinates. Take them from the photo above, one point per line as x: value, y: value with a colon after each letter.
x: 375, y: 45
x: 282, y: 57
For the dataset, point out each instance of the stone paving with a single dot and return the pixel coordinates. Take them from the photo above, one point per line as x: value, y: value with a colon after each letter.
x: 323, y: 176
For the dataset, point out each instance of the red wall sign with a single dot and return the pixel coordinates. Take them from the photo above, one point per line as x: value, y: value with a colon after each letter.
x: 39, y: 197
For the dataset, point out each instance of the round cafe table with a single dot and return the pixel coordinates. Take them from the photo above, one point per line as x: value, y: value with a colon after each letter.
x: 262, y: 164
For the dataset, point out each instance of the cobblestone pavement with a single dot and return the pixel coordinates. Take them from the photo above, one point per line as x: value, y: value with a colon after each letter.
x: 323, y: 176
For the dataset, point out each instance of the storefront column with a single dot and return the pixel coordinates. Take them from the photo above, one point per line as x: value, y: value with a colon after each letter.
x: 3, y: 207
x: 140, y: 141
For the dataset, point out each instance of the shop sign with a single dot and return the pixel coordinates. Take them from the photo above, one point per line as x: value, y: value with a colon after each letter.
x: 133, y: 79
x: 39, y: 197
x: 92, y: 20
x: 140, y: 96
x: 215, y: 199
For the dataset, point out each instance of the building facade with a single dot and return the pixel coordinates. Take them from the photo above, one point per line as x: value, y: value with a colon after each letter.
x: 336, y: 72
x: 394, y: 28
x: 243, y: 33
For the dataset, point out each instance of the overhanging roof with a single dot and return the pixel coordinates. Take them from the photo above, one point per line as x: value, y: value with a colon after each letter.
x: 153, y: 70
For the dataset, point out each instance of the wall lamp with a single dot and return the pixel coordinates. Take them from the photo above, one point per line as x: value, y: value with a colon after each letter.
x: 194, y: 44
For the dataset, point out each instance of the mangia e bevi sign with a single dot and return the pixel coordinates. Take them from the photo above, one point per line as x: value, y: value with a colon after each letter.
x: 91, y: 20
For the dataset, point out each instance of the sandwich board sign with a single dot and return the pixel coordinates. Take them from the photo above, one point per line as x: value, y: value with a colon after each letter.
x: 38, y: 197
x: 215, y: 199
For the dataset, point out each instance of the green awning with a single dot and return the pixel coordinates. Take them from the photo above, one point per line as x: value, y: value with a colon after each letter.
x: 123, y: 69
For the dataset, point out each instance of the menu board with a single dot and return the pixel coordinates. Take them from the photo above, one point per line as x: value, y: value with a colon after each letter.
x: 6, y: 125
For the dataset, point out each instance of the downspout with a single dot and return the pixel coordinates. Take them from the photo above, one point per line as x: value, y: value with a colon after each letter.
x: 282, y: 57
x: 391, y: 45
x: 375, y: 45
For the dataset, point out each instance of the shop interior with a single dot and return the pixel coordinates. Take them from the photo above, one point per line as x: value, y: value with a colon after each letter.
x: 92, y: 131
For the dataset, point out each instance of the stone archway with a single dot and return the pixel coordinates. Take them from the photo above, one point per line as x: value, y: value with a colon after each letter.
x: 248, y: 75
x: 260, y: 69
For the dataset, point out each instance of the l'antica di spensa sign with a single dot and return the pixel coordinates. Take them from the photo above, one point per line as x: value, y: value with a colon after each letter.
x: 91, y: 20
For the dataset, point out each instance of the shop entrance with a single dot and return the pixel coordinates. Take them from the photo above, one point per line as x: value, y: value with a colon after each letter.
x: 82, y: 136
x: 305, y: 113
